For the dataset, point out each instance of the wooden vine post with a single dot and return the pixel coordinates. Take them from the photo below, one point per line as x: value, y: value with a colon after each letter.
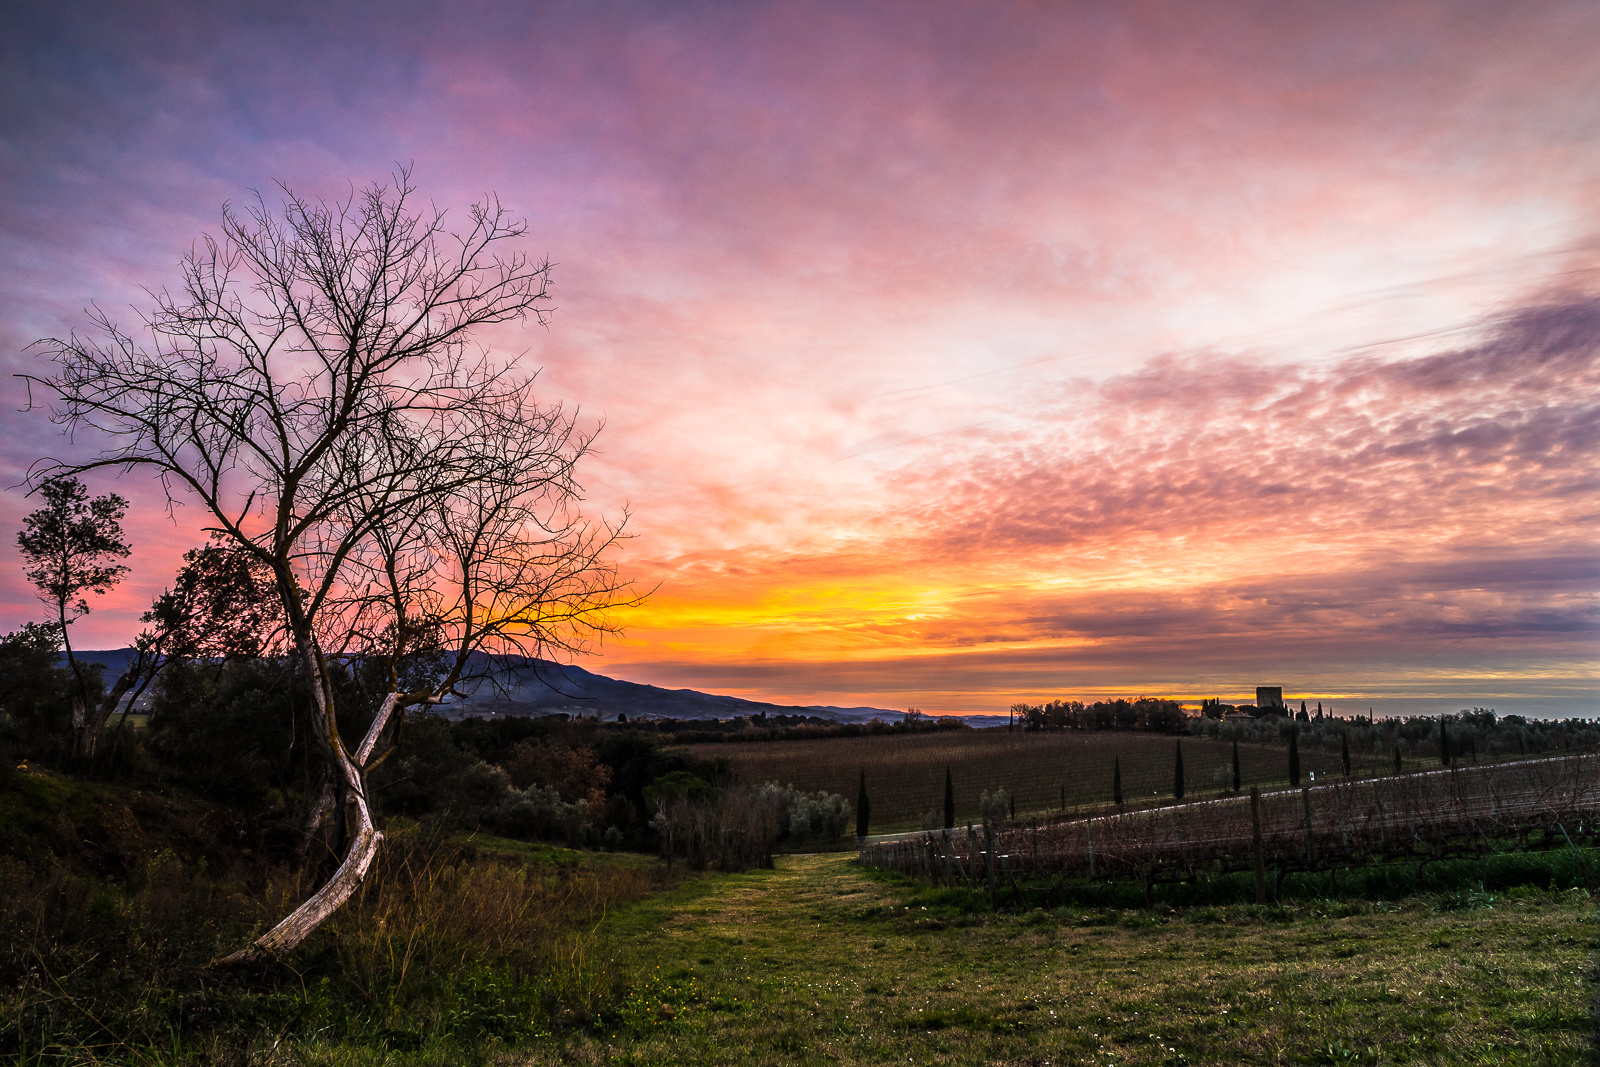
x: 1255, y: 845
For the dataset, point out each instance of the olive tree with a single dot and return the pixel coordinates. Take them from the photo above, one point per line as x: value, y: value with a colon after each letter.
x: 316, y: 383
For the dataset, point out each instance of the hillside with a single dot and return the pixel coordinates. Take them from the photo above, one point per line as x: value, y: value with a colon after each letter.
x: 544, y: 688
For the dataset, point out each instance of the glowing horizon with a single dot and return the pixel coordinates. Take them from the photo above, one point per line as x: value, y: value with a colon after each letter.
x: 949, y: 355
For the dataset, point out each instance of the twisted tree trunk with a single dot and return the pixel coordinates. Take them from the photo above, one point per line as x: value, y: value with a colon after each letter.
x: 362, y: 839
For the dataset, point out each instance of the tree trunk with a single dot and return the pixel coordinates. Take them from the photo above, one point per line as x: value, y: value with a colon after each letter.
x: 361, y: 839
x: 87, y: 723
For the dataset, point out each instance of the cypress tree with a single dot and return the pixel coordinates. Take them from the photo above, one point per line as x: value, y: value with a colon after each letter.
x: 1177, y: 772
x: 949, y: 800
x: 1063, y: 798
x: 1344, y: 752
x: 863, y: 807
x: 1236, y: 766
x: 1116, y: 780
x: 1398, y: 769
x: 1294, y: 757
x: 1444, y: 744
x: 1013, y: 807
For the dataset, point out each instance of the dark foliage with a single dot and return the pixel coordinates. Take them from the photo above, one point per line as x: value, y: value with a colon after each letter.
x: 1146, y: 713
x: 35, y: 695
x: 1294, y: 756
x: 863, y: 808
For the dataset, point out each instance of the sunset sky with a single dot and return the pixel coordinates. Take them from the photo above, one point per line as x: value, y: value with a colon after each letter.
x: 949, y: 354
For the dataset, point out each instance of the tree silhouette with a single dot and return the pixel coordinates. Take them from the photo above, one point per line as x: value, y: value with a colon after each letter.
x: 949, y: 800
x: 69, y: 546
x: 1294, y: 756
x: 1116, y: 780
x: 1236, y: 766
x: 315, y: 384
x: 1177, y: 771
x: 863, y: 807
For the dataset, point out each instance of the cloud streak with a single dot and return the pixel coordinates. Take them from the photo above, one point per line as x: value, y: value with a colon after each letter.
x: 1103, y: 346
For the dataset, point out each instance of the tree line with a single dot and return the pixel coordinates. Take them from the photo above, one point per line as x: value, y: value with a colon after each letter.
x: 1150, y: 714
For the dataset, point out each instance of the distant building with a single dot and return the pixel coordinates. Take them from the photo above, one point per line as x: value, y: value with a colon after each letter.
x: 1269, y: 697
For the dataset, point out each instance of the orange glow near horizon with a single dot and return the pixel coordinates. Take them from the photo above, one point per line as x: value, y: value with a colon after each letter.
x: 947, y: 356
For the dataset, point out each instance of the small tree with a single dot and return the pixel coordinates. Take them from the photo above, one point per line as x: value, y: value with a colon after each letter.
x: 1294, y: 756
x: 69, y: 546
x: 1344, y: 751
x: 1116, y: 780
x: 1177, y: 772
x: 223, y: 606
x: 35, y: 693
x: 1444, y: 743
x: 863, y: 807
x: 1236, y: 780
x: 949, y: 800
x: 1398, y: 766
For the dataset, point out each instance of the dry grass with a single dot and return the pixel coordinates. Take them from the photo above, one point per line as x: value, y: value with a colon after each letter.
x: 448, y: 944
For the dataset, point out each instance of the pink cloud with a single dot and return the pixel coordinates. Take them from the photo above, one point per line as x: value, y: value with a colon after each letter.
x: 873, y: 293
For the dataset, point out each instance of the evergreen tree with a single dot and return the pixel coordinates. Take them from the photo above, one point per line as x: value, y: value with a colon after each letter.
x: 863, y: 806
x: 1116, y: 780
x: 1444, y: 744
x: 1013, y: 807
x: 1294, y: 756
x: 1236, y: 766
x: 1177, y: 772
x: 1398, y: 768
x: 1344, y: 752
x: 949, y: 800
x: 70, y: 547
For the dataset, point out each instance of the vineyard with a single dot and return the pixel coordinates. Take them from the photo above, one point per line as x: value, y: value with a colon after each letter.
x: 1401, y: 818
x: 905, y: 775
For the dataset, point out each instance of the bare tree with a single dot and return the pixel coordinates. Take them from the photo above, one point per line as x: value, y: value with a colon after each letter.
x: 315, y: 384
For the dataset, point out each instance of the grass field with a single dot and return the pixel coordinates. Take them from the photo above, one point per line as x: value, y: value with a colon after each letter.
x: 817, y: 962
x: 498, y: 953
x: 905, y: 775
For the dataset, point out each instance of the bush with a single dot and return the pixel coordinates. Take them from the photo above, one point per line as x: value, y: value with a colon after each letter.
x: 539, y: 813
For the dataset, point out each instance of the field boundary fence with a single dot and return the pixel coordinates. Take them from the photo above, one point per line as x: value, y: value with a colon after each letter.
x: 1416, y: 817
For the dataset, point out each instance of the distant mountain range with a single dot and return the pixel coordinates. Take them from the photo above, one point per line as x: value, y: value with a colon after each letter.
x: 545, y: 688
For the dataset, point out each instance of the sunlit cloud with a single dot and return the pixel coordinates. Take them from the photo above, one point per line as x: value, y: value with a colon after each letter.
x: 945, y: 353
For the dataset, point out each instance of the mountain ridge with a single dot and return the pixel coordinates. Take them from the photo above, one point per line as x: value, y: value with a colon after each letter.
x: 544, y: 687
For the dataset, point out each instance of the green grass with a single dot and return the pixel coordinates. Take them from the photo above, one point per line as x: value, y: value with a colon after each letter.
x: 498, y: 953
x: 820, y: 962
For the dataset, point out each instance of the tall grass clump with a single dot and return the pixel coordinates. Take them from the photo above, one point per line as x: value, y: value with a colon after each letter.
x: 450, y: 942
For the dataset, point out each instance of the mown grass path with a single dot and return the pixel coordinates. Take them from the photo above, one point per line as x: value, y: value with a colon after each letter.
x: 819, y: 962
